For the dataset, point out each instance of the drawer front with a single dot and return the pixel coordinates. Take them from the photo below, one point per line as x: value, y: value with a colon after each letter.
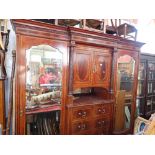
x: 82, y: 113
x: 102, y: 123
x: 88, y: 132
x: 104, y: 131
x: 81, y: 127
x: 101, y: 110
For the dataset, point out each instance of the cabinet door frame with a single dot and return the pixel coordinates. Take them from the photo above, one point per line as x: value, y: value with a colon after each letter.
x: 143, y: 96
x: 76, y: 80
x: 23, y: 43
x: 106, y: 81
x: 135, y: 55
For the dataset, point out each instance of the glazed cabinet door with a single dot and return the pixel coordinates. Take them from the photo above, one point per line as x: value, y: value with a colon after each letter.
x: 82, y: 68
x: 101, y: 69
x: 126, y: 88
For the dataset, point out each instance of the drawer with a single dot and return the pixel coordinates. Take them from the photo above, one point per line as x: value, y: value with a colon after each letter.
x: 101, y: 123
x: 88, y: 132
x: 104, y: 131
x: 102, y: 110
x: 81, y: 113
x: 82, y: 127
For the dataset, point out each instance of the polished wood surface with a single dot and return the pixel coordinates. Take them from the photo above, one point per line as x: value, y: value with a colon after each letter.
x: 92, y: 67
x: 135, y: 55
x: 2, y: 106
x: 90, y: 116
x: 27, y: 36
x: 82, y: 50
x: 82, y: 68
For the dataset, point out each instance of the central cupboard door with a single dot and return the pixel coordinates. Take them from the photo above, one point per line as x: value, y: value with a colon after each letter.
x: 92, y: 67
x: 82, y: 68
x: 102, y: 68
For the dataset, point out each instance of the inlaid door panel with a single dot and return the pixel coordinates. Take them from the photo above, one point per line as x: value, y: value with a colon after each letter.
x: 82, y: 68
x: 101, y: 69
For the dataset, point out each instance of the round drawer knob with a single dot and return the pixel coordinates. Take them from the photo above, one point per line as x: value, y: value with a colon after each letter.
x: 79, y: 126
x: 99, y: 110
x: 99, y: 122
x: 79, y: 113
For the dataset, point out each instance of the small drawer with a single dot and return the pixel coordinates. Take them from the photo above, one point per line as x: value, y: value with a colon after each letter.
x: 81, y: 127
x: 82, y: 113
x: 102, y: 109
x: 102, y: 123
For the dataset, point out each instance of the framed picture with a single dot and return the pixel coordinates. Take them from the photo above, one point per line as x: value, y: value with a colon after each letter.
x: 140, y: 124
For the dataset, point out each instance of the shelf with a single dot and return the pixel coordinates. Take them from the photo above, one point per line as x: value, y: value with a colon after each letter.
x: 43, y: 109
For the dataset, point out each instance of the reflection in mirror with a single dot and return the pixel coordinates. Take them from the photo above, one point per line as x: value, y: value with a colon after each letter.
x: 126, y: 67
x: 43, y: 76
x: 125, y: 83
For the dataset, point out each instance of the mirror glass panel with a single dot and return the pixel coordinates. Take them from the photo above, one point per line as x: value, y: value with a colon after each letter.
x: 43, y: 76
x: 125, y: 84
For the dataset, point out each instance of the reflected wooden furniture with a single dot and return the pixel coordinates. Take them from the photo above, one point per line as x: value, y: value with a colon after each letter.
x: 89, y: 62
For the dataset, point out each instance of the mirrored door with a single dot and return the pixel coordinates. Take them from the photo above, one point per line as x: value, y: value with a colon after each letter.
x: 125, y: 87
x: 43, y: 89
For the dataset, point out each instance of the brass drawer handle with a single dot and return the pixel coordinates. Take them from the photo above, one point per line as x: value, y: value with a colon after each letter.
x: 83, y: 126
x: 103, y: 110
x: 103, y: 122
x: 84, y: 114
